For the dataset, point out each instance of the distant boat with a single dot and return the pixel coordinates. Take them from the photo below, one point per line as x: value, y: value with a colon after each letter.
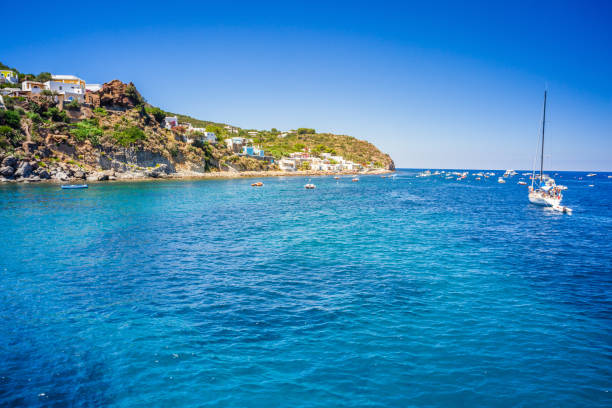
x: 258, y: 184
x: 522, y: 183
x: 336, y: 177
x: 591, y: 175
x: 355, y: 179
x: 310, y: 186
x: 73, y: 186
x: 501, y: 180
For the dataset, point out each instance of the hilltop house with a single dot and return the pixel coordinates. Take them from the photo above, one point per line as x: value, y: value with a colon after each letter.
x: 9, y: 76
x: 32, y: 86
x: 72, y: 87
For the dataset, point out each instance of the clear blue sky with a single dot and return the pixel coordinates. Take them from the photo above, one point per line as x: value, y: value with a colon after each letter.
x: 434, y: 84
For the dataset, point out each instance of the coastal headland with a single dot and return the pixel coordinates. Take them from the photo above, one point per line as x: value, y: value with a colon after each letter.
x: 60, y: 128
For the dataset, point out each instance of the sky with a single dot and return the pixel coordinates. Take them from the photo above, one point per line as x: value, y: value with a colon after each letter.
x: 434, y: 84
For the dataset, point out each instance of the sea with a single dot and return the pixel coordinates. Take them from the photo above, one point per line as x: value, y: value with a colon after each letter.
x: 387, y: 292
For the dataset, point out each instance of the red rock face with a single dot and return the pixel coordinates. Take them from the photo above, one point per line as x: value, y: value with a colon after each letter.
x: 115, y: 94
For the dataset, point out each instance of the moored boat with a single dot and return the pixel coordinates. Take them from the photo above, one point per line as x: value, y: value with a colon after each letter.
x: 74, y: 186
x: 546, y: 193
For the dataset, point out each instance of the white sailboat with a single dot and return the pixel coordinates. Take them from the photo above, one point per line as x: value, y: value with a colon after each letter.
x: 546, y: 193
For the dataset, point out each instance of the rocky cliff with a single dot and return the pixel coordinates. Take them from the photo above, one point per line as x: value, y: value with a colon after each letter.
x: 115, y: 134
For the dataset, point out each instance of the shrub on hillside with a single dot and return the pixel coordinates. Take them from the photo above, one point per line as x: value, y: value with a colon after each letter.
x: 157, y: 113
x: 129, y: 135
x: 9, y: 136
x: 100, y: 111
x: 73, y: 105
x: 10, y: 118
x: 134, y: 95
x: 87, y: 130
x: 57, y: 115
x: 306, y: 131
x: 34, y: 117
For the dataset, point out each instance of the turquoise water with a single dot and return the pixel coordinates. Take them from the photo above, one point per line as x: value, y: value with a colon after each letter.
x: 382, y: 293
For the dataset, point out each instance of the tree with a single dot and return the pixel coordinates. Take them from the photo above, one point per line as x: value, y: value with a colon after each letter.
x: 43, y: 77
x: 306, y: 131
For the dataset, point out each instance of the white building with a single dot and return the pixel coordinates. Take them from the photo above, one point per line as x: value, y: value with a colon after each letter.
x: 32, y: 86
x: 236, y: 143
x: 286, y: 164
x: 231, y: 129
x: 170, y: 122
x: 211, y: 137
x: 253, y: 133
x: 205, y: 136
x: 72, y: 87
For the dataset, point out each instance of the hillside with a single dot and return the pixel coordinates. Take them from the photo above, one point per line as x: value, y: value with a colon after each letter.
x: 116, y: 134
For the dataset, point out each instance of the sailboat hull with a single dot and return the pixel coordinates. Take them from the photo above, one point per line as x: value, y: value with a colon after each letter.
x: 546, y: 201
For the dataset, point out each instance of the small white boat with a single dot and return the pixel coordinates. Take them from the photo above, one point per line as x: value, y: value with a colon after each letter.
x: 310, y: 186
x: 522, y: 183
x: 355, y: 179
x: 562, y: 208
x: 591, y: 175
x: 501, y: 180
x: 74, y: 186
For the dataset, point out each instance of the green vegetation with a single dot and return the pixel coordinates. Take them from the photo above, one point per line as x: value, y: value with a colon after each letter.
x: 87, y: 130
x: 57, y: 115
x: 34, y: 117
x: 73, y: 105
x: 8, y: 137
x: 306, y: 131
x: 43, y: 77
x: 100, y: 111
x: 157, y: 113
x: 134, y: 95
x: 128, y: 135
x: 10, y: 118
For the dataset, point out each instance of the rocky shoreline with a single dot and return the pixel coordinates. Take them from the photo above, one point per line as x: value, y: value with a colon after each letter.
x: 15, y: 170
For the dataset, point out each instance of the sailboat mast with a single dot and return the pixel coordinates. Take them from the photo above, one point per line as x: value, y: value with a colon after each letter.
x: 543, y: 128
